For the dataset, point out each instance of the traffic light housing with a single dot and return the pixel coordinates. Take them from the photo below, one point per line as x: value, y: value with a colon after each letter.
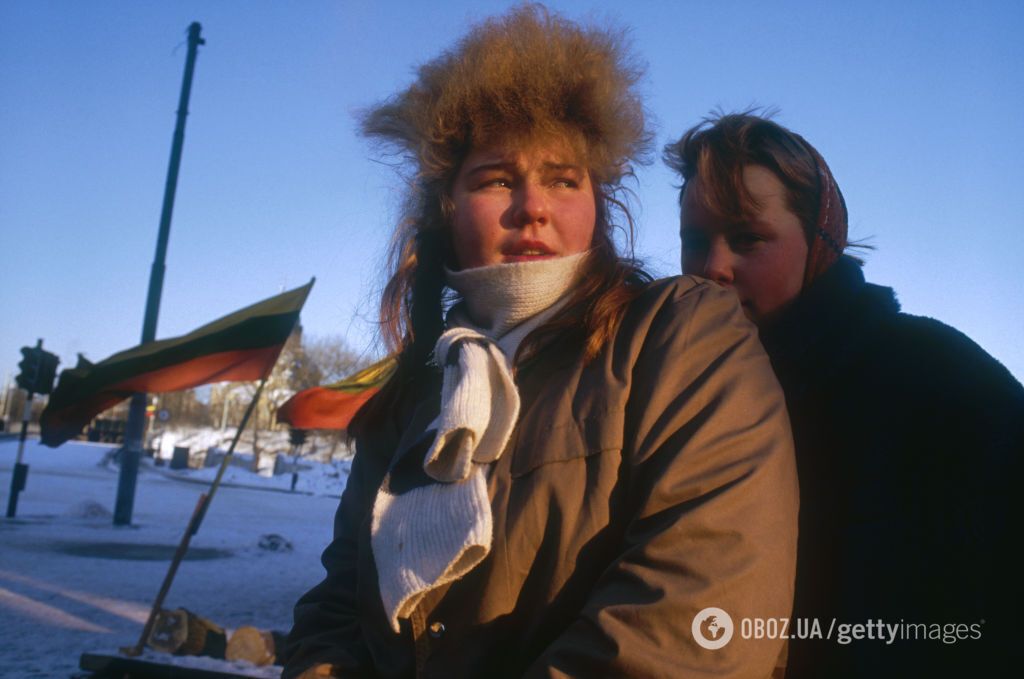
x: 38, y: 368
x: 29, y: 366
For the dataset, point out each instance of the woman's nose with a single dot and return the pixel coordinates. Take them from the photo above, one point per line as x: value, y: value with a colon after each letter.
x: 718, y: 265
x: 531, y: 205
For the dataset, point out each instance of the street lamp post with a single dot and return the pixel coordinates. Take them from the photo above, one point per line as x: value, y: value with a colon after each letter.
x: 132, y: 449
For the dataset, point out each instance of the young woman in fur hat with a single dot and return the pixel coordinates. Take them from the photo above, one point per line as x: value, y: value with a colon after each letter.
x: 909, y: 437
x: 570, y: 462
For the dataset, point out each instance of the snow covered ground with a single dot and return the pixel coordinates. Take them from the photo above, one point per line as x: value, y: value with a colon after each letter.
x: 71, y: 582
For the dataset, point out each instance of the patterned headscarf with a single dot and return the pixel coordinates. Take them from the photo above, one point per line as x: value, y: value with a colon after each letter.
x: 828, y: 240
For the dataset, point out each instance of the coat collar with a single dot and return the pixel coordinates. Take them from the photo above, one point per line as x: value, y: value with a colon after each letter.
x: 823, y: 327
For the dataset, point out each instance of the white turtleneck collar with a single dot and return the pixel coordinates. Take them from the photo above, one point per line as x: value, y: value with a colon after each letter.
x: 499, y: 297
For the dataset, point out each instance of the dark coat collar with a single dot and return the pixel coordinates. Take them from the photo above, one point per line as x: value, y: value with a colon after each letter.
x: 826, y: 323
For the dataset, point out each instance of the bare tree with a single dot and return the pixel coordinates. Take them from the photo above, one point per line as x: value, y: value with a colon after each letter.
x: 304, y: 362
x: 325, y: 360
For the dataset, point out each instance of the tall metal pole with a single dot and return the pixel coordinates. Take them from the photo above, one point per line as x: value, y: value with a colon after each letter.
x: 132, y: 449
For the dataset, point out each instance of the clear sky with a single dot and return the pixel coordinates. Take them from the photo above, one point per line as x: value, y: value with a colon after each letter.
x: 917, y: 106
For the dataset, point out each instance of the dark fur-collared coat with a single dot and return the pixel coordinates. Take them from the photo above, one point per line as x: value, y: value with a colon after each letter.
x: 909, y: 441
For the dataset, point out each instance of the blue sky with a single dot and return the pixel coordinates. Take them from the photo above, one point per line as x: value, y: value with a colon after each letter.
x: 916, y: 106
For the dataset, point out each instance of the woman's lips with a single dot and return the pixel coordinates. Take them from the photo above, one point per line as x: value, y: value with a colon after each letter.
x: 526, y: 251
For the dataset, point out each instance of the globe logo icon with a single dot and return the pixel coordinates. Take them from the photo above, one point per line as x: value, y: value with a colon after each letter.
x: 712, y: 628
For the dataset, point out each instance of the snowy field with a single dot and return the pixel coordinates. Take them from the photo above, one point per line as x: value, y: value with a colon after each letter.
x: 71, y: 582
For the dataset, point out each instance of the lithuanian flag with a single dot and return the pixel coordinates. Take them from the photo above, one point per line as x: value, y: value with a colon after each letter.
x: 334, y: 405
x: 238, y: 347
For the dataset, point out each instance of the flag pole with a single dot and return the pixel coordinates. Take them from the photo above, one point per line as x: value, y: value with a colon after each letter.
x: 193, y: 527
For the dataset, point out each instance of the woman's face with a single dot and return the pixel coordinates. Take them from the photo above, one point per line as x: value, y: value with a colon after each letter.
x: 522, y: 204
x: 762, y: 259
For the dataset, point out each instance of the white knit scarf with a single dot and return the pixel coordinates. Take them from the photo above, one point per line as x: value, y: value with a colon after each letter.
x: 433, y: 534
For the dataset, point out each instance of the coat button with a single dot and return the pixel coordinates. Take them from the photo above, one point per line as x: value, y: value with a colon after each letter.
x: 436, y: 630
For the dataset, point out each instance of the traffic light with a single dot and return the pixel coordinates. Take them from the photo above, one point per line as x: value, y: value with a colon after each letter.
x: 38, y: 368
x: 29, y: 368
x: 36, y: 377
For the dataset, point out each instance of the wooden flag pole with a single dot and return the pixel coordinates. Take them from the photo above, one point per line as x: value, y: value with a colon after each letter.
x: 193, y: 527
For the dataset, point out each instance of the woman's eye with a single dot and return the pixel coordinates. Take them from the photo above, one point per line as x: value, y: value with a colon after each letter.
x: 745, y: 241
x: 565, y: 183
x: 495, y: 182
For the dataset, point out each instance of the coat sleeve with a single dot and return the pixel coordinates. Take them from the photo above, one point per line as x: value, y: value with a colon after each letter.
x: 326, y: 628
x: 712, y: 505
